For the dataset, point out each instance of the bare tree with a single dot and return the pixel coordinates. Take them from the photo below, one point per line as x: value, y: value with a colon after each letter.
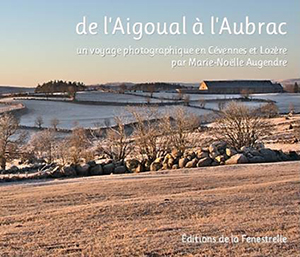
x: 72, y: 91
x: 291, y: 108
x: 117, y: 145
x: 78, y: 144
x: 151, y: 89
x: 43, y: 144
x: 239, y: 126
x: 202, y: 103
x: 54, y: 123
x: 107, y: 122
x: 122, y: 88
x: 39, y: 122
x: 221, y: 105
x: 245, y: 93
x: 177, y: 127
x: 269, y: 110
x: 186, y: 100
x: 145, y: 132
x: 148, y: 100
x: 180, y: 94
x: 62, y: 151
x: 8, y: 128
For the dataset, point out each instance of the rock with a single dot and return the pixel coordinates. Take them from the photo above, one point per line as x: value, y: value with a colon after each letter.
x: 175, y: 167
x: 192, y: 163
x: 120, y: 170
x: 250, y: 151
x: 82, y: 170
x: 214, y: 163
x: 213, y: 155
x: 293, y: 155
x: 68, y: 171
x: 165, y: 166
x: 190, y: 155
x: 155, y: 166
x: 13, y: 169
x: 220, y: 159
x: 256, y: 159
x: 132, y: 165
x: 245, y: 149
x: 182, y: 162
x: 55, y: 173
x: 146, y: 164
x: 108, y: 168
x: 200, y: 154
x: 103, y: 161
x: 230, y: 152
x: 269, y: 155
x: 96, y: 170
x: 204, y: 162
x: 159, y: 160
x: 92, y: 163
x: 140, y: 168
x: 168, y: 161
x: 176, y: 154
x: 281, y: 155
x: 218, y: 146
x: 237, y: 158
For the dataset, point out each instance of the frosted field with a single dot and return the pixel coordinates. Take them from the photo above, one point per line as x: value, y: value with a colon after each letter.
x: 283, y: 101
x: 85, y: 115
x: 97, y: 96
x: 215, y: 105
x: 192, y: 96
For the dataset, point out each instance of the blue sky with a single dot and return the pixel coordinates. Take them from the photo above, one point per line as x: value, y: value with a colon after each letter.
x: 38, y: 40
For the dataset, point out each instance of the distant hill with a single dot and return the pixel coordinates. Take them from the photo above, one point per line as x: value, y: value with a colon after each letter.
x: 156, y: 86
x: 59, y: 86
x: 290, y: 81
x: 289, y: 85
x: 146, y: 87
x: 15, y: 90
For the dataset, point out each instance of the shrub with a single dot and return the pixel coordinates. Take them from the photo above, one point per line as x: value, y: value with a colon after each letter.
x: 117, y: 145
x: 8, y: 145
x: 78, y: 144
x: 146, y: 134
x: 176, y: 128
x: 269, y: 110
x: 43, y: 144
x: 239, y: 126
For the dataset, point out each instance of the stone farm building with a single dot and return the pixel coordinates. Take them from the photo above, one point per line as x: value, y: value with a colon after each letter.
x: 240, y: 86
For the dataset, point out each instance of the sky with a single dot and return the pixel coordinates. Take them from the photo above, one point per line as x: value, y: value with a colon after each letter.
x: 38, y: 40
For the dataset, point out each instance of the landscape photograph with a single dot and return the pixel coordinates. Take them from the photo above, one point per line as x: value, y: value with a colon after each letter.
x: 162, y: 128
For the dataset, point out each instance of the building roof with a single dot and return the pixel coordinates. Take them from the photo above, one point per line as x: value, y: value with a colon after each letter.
x: 240, y: 83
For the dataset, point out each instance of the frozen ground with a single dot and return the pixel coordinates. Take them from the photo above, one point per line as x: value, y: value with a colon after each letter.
x: 283, y: 101
x: 97, y: 96
x: 89, y: 115
x: 69, y: 114
x: 147, y: 214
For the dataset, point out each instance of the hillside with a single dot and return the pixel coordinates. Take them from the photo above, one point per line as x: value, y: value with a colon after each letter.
x: 14, y: 89
x: 59, y: 86
x: 147, y: 214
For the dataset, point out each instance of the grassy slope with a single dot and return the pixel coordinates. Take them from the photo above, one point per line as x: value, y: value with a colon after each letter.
x: 146, y: 214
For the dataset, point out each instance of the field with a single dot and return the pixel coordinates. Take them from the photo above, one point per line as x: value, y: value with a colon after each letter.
x: 147, y: 214
x: 85, y: 115
x: 88, y: 115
